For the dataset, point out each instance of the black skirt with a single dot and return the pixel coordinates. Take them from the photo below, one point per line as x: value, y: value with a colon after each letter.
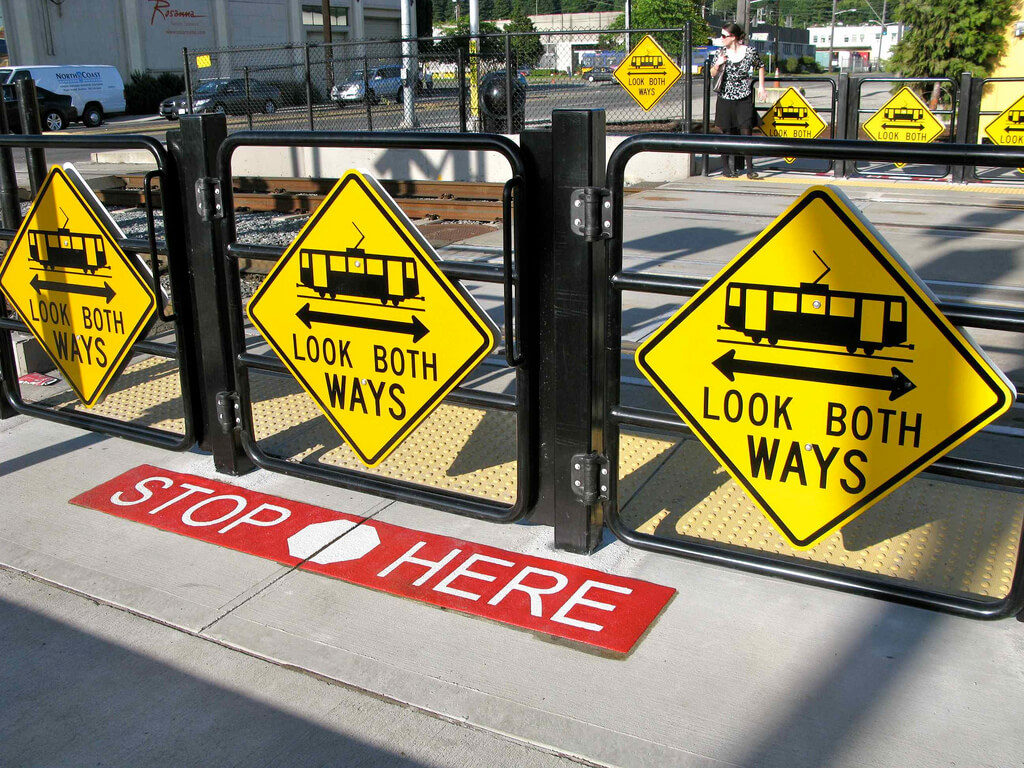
x: 735, y: 115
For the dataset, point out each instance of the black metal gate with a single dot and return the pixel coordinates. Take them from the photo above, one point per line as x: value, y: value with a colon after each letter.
x: 180, y: 320
x: 610, y: 281
x: 235, y: 407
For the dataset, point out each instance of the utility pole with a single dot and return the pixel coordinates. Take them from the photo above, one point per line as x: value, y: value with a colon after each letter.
x: 325, y: 7
x: 410, y: 67
x: 832, y: 37
x: 881, y: 34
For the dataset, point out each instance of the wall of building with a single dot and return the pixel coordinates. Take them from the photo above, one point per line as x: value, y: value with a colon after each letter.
x: 149, y: 35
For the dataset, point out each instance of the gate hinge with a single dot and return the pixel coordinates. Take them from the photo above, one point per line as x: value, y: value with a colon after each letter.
x: 590, y: 211
x: 589, y: 475
x: 229, y: 411
x: 208, y: 199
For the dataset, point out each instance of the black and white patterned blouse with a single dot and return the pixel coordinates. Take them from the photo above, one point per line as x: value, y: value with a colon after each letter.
x: 739, y: 75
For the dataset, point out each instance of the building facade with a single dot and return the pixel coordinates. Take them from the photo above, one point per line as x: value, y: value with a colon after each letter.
x: 149, y: 35
x: 855, y: 48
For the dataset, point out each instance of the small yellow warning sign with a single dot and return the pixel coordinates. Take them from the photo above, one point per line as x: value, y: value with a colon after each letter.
x: 83, y: 298
x: 203, y: 61
x: 792, y: 117
x: 647, y: 73
x: 817, y: 369
x: 363, y: 317
x: 904, y: 117
x: 1007, y: 128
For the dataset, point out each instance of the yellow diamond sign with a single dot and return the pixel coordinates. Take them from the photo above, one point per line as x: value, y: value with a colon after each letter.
x: 363, y: 317
x: 1007, y: 129
x: 791, y: 117
x: 647, y: 73
x: 817, y: 369
x: 904, y: 117
x: 83, y: 298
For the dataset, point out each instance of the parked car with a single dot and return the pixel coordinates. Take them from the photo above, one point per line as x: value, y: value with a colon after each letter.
x: 56, y: 110
x: 225, y: 95
x: 595, y: 74
x: 383, y: 82
x: 96, y: 90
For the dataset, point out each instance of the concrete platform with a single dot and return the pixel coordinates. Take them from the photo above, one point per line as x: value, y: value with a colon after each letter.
x: 738, y: 670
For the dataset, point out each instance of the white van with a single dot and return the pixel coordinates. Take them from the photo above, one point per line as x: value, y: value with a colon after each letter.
x: 96, y: 91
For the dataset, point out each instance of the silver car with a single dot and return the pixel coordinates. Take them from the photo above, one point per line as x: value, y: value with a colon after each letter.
x: 381, y: 82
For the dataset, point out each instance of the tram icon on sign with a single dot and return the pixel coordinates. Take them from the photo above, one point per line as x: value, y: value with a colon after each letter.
x: 648, y: 62
x: 813, y: 313
x: 63, y: 249
x: 1015, y: 120
x: 354, y: 272
x: 791, y: 113
x: 908, y: 118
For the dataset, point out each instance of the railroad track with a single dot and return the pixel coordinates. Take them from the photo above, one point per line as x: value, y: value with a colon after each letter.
x: 444, y: 200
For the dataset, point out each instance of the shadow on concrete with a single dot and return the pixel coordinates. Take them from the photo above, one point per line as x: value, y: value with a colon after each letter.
x: 49, y: 452
x: 70, y: 698
x: 831, y: 704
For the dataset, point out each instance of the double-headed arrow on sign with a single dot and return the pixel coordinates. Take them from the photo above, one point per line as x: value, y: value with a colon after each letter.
x: 896, y: 384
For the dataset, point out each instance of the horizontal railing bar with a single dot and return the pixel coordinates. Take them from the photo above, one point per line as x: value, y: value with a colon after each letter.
x: 158, y: 348
x: 973, y: 316
x: 827, y: 149
x: 483, y: 273
x: 948, y: 466
x: 460, y: 395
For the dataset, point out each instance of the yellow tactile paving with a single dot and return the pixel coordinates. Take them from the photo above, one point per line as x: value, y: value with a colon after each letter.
x: 147, y: 393
x: 935, y: 186
x: 939, y: 535
x: 467, y: 450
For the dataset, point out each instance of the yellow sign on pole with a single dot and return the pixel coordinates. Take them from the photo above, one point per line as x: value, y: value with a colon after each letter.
x: 1007, y: 128
x: 81, y: 296
x: 791, y: 117
x: 904, y: 117
x: 360, y: 313
x: 647, y: 73
x: 817, y: 369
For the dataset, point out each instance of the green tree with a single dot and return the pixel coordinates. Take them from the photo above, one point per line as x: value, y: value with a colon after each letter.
x: 661, y: 14
x: 457, y: 36
x: 946, y: 37
x: 527, y: 48
x: 501, y: 9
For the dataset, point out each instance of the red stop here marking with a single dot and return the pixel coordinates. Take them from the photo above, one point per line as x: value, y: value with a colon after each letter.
x: 559, y: 599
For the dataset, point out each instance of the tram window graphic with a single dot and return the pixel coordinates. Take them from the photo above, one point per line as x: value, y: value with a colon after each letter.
x: 812, y: 313
x: 353, y: 272
x: 791, y: 113
x: 903, y: 114
x: 647, y: 62
x: 63, y: 249
x: 1015, y: 120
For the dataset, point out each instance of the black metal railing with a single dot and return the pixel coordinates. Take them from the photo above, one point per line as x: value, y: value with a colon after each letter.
x: 614, y: 415
x: 508, y: 274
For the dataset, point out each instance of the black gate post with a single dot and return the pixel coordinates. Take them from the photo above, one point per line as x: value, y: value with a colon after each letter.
x: 569, y: 327
x: 706, y: 110
x: 963, y: 122
x: 201, y: 137
x: 31, y: 125
x: 845, y: 115
x: 10, y: 218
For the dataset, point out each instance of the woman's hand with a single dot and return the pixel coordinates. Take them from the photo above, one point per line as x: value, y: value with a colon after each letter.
x: 762, y: 94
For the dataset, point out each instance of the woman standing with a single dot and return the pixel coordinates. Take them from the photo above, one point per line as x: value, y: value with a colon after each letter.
x: 735, y: 113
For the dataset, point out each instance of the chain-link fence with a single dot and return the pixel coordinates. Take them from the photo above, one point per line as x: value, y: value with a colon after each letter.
x: 452, y: 83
